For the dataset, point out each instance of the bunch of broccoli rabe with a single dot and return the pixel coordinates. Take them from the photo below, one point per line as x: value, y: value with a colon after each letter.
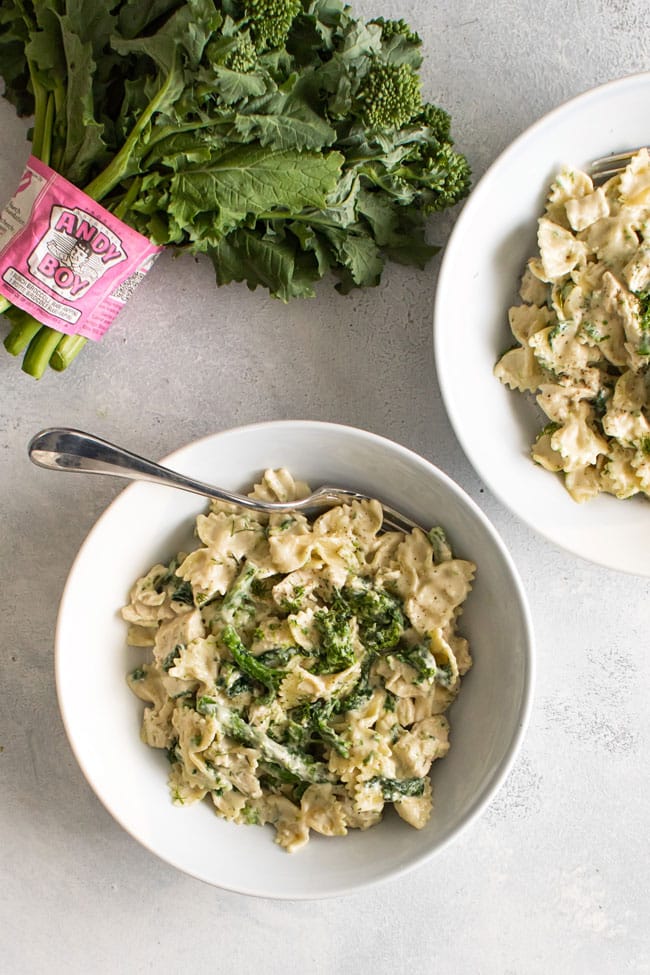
x: 283, y: 138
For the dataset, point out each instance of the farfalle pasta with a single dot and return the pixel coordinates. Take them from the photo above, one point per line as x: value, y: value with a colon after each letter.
x: 583, y: 333
x: 300, y: 671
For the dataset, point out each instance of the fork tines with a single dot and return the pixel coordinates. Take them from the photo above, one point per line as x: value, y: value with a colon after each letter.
x: 611, y: 165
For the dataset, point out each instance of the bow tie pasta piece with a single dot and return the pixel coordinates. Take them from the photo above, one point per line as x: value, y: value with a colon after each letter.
x: 559, y: 250
x: 584, y: 210
x: 634, y: 185
x: 569, y: 184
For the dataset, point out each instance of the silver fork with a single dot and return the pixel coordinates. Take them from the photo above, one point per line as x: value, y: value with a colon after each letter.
x: 608, y: 166
x: 65, y: 449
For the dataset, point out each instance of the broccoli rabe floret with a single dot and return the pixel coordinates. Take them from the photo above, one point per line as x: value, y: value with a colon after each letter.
x: 438, y: 121
x: 390, y: 28
x: 270, y: 20
x: 448, y: 176
x: 244, y: 56
x: 389, y: 96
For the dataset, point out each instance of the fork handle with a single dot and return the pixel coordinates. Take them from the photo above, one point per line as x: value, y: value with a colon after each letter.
x: 65, y: 449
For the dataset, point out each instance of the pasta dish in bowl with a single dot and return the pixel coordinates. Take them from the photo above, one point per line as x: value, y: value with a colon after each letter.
x: 300, y: 674
x: 579, y: 332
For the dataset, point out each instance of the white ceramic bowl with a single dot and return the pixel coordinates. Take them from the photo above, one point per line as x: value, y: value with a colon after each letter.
x: 479, y: 278
x: 147, y: 523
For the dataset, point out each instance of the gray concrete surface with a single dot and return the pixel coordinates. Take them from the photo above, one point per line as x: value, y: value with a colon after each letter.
x: 555, y: 877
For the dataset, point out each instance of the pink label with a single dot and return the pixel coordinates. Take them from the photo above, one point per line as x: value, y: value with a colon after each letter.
x: 64, y: 258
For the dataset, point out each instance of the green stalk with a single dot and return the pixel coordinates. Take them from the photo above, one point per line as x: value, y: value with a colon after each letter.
x: 23, y: 331
x: 118, y: 168
x: 46, y: 145
x: 5, y: 304
x: 40, y: 112
x: 40, y: 351
x: 67, y: 351
x: 123, y: 207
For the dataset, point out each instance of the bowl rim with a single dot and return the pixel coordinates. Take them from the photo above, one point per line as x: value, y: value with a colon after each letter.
x: 450, y: 257
x: 528, y: 647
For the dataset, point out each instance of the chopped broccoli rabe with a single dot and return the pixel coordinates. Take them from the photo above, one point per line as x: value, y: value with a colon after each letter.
x: 183, y: 592
x: 280, y: 773
x: 250, y: 665
x: 395, y: 789
x: 441, y: 547
x: 171, y: 657
x: 422, y: 660
x: 361, y: 692
x: 232, y: 681
x: 290, y: 759
x: 379, y: 616
x: 171, y: 752
x: 238, y: 597
x: 277, y: 656
x: 315, y: 716
x: 335, y: 631
x: 380, y: 624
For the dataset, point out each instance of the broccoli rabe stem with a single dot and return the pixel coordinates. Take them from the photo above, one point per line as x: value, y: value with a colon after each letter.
x: 329, y: 736
x: 235, y: 727
x: 238, y: 593
x: 249, y: 664
x: 118, y: 168
x: 23, y: 330
x: 67, y: 351
x: 40, y: 350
